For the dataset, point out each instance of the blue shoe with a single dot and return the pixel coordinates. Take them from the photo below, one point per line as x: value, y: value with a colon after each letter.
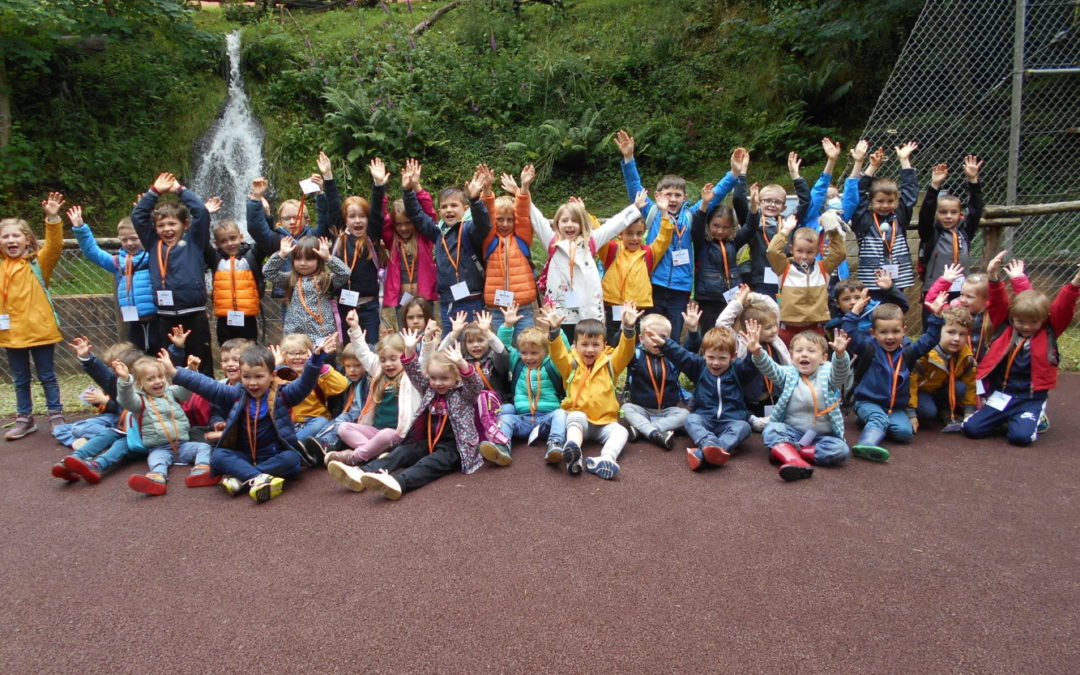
x: 572, y: 458
x: 604, y: 468
x: 869, y: 445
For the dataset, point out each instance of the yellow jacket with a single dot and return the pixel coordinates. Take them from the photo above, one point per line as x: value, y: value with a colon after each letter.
x: 330, y: 383
x: 23, y: 298
x: 931, y: 373
x: 592, y: 390
x: 628, y: 277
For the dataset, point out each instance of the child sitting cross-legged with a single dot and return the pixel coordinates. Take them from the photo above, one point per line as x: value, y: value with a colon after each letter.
x: 352, y: 401
x: 719, y: 418
x: 590, y: 370
x: 884, y: 358
x: 311, y: 414
x: 145, y: 391
x: 807, y: 425
x: 537, y: 389
x: 943, y: 381
x: 258, y: 447
x: 653, y: 410
x: 442, y: 433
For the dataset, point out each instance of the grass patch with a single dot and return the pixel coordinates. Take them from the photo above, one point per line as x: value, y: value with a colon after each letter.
x: 70, y: 388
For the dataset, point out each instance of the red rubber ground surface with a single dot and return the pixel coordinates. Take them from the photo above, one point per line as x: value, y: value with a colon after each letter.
x: 956, y: 556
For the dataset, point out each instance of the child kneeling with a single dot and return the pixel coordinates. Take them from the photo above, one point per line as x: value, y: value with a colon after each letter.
x: 801, y: 431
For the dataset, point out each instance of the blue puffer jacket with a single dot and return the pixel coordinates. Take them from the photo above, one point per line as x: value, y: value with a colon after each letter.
x: 141, y: 294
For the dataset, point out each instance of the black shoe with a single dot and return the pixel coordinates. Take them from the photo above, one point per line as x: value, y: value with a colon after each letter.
x: 667, y: 439
x: 572, y: 458
x: 311, y: 452
x: 633, y: 434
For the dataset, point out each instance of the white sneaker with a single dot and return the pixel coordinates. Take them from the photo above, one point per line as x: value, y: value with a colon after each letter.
x: 384, y: 483
x: 758, y: 424
x: 349, y: 476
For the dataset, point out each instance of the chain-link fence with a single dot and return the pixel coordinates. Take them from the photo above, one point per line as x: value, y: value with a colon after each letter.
x: 953, y: 92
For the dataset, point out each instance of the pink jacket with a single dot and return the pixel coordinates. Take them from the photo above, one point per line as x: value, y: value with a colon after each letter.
x: 426, y: 281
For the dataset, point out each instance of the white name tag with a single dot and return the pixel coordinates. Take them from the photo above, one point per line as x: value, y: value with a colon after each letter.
x: 129, y: 313
x: 405, y: 298
x: 768, y: 410
x: 730, y: 294
x: 616, y: 312
x: 771, y: 277
x: 234, y: 318
x: 998, y: 401
x: 680, y: 256
x: 504, y: 298
x: 893, y: 269
x: 572, y: 300
x: 460, y: 290
x: 533, y: 435
x: 5, y: 322
x: 807, y: 438
x: 349, y: 298
x: 956, y: 285
x: 164, y: 299
x: 979, y: 388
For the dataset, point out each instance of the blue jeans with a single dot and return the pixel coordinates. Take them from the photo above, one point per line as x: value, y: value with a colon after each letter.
x: 368, y: 314
x: 526, y: 320
x: 87, y: 428
x: 931, y: 404
x: 707, y: 430
x: 188, y: 452
x: 520, y: 426
x: 236, y: 463
x: 19, y: 362
x: 648, y: 420
x: 896, y: 426
x: 672, y: 304
x: 107, y: 449
x: 470, y: 306
x: 1020, y: 417
x: 828, y: 450
x: 310, y: 427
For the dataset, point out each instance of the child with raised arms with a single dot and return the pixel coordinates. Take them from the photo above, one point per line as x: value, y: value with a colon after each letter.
x: 311, y: 414
x: 258, y: 448
x: 882, y: 219
x: 29, y: 329
x: 716, y: 244
x: 176, y: 236
x: 807, y: 425
x: 946, y: 228
x: 510, y: 278
x: 803, y: 279
x: 310, y: 309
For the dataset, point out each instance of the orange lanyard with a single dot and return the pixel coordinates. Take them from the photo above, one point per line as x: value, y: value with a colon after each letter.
x: 431, y: 443
x: 163, y: 265
x: 129, y: 275
x: 409, y: 271
x: 355, y: 250
x: 659, y: 391
x: 454, y: 261
x: 534, y: 401
x: 573, y: 253
x: 813, y: 397
x: 298, y: 223
x: 764, y: 224
x: 727, y: 271
x: 955, y: 247
x: 768, y: 382
x: 892, y: 239
x: 480, y: 372
x: 349, y: 398
x: 1012, y: 357
x: 175, y: 438
x: 896, y: 376
x: 952, y: 385
x: 251, y: 425
x: 675, y: 223
x: 300, y: 289
x: 232, y: 273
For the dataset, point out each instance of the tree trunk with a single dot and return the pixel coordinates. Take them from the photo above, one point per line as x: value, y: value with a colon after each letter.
x: 5, y: 105
x: 430, y: 21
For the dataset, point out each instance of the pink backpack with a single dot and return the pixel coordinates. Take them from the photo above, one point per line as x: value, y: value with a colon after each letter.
x: 488, y: 407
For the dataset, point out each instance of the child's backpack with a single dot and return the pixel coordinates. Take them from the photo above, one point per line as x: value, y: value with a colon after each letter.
x: 541, y: 281
x: 488, y: 408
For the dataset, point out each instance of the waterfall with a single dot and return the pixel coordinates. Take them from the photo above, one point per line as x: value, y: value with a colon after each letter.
x: 229, y: 155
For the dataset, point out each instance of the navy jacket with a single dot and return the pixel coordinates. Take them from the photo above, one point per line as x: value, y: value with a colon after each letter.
x: 470, y: 267
x: 712, y: 393
x: 875, y: 381
x: 364, y: 267
x: 640, y: 385
x: 184, y: 276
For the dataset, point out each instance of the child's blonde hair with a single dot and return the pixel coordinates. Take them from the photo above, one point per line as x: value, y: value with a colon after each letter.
x: 307, y: 249
x: 533, y: 336
x: 504, y: 203
x: 1030, y: 305
x: 125, y: 225
x: 398, y: 209
x: 655, y: 321
x: 32, y: 245
x: 758, y: 311
x: 145, y: 365
x: 236, y: 344
x: 295, y: 341
x: 978, y: 282
x: 576, y: 212
x: 443, y: 361
x: 805, y: 234
x: 115, y: 350
x: 813, y: 337
x: 956, y: 315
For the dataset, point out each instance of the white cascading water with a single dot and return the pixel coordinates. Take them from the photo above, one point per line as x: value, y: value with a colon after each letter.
x: 229, y: 155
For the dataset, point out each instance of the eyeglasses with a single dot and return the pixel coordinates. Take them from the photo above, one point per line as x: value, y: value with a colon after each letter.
x: 303, y: 353
x: 774, y: 202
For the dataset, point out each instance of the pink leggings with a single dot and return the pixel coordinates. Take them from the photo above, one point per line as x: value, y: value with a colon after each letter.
x: 367, y: 442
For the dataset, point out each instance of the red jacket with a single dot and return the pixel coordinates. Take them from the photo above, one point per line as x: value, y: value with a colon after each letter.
x: 1043, y: 372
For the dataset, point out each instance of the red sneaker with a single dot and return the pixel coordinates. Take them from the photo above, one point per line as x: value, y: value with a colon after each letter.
x: 87, y: 470
x: 201, y: 476
x: 151, y: 483
x: 694, y: 458
x: 61, y: 471
x: 715, y: 455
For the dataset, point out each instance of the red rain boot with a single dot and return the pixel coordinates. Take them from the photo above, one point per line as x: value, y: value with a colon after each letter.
x: 807, y: 453
x: 792, y: 466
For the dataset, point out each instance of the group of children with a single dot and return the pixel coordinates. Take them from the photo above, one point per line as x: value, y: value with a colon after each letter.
x: 588, y: 347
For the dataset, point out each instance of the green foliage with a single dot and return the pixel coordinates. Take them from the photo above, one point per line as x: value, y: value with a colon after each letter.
x: 557, y: 142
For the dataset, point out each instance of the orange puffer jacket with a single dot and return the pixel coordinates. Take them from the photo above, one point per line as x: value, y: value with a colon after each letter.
x: 507, y: 266
x: 236, y: 286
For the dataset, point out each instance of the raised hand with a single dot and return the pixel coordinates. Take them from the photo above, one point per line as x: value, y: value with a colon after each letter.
x: 883, y: 279
x: 574, y: 199
x: 509, y: 185
x: 510, y: 315
x: 178, y: 336
x: 972, y: 165
x: 858, y: 152
x: 458, y: 323
x: 213, y: 205
x: 793, y: 164
x: 692, y: 316
x: 83, y: 348
x: 740, y: 161
x: 630, y: 314
x: 877, y: 158
x: 166, y: 363
x: 1015, y: 268
x: 411, y: 337
x: 751, y: 333
x: 352, y: 318
x: 487, y: 175
x: 52, y: 203
x: 326, y: 167
x: 279, y: 358
x: 653, y: 339
x: 625, y: 143
x: 379, y: 174
x: 789, y: 225
x: 994, y: 268
x: 707, y: 192
x: 317, y: 179
x: 642, y: 199
x: 861, y: 301
x: 938, y: 175
x: 410, y: 175
x: 952, y: 272
x: 938, y: 304
x: 121, y: 369
x: 832, y: 149
x: 483, y: 321
x: 453, y: 352
x: 285, y: 248
x: 528, y: 175
x: 755, y: 198
x: 329, y: 344
x: 193, y: 362
x: 432, y: 331
x: 903, y: 153
x: 840, y: 342
x: 324, y: 248
x: 552, y: 318
x: 259, y: 186
x: 743, y: 295
x: 476, y: 184
x: 165, y: 182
